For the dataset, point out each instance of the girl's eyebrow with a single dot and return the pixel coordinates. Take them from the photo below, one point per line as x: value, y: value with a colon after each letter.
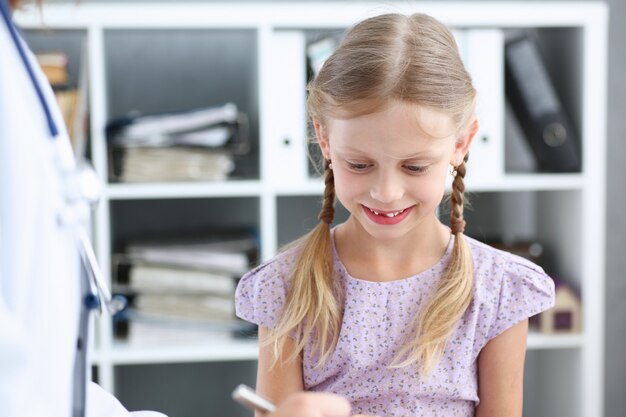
x: 427, y: 154
x: 420, y: 155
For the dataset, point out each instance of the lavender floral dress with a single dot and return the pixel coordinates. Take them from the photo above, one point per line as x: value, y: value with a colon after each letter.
x: 377, y: 316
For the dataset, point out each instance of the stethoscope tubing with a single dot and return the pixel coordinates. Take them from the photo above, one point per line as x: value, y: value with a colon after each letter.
x: 6, y: 15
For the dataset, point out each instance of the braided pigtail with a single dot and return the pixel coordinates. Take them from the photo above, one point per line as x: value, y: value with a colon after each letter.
x: 312, y: 304
x: 436, y: 322
x: 457, y: 199
x: 327, y: 214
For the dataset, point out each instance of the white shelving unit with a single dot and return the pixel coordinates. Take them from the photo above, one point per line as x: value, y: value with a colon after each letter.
x: 563, y: 211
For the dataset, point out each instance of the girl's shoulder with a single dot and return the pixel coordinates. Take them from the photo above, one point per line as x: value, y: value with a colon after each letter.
x: 507, y: 279
x: 508, y: 288
x: 281, y: 265
x: 489, y: 258
x: 261, y: 292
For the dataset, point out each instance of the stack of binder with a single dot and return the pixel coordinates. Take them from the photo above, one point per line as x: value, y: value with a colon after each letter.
x: 182, y: 284
x: 196, y: 145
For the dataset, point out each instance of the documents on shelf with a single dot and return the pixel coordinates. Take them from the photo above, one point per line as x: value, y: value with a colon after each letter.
x: 190, y: 256
x: 155, y: 164
x: 183, y: 283
x: 155, y: 279
x: 196, y: 145
x: 228, y: 252
x: 54, y: 66
x: 146, y: 126
x: 68, y: 103
x: 188, y: 307
x: 220, y: 127
x: 72, y: 99
x: 147, y: 330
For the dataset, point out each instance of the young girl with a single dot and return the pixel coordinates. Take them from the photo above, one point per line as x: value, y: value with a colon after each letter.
x: 391, y: 309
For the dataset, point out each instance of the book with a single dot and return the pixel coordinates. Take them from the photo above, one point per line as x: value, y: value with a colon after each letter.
x: 236, y: 263
x: 72, y: 99
x: 139, y: 328
x: 214, y: 127
x: 212, y: 136
x: 163, y: 164
x: 180, y: 286
x: 227, y: 252
x: 157, y: 279
x: 188, y: 307
x: 54, y: 66
x: 68, y: 103
x: 195, y: 145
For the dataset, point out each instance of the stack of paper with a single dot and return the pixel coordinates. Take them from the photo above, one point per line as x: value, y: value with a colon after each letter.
x: 196, y: 145
x: 185, y: 282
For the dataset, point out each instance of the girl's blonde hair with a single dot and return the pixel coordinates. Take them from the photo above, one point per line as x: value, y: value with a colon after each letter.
x: 386, y: 58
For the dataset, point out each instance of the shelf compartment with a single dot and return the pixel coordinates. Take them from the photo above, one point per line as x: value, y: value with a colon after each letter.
x: 151, y: 71
x: 184, y: 389
x: 153, y: 218
x: 545, y: 217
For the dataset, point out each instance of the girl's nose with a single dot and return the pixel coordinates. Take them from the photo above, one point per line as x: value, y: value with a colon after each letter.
x: 387, y: 188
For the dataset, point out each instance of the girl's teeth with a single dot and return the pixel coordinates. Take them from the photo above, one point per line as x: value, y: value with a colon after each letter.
x: 394, y: 214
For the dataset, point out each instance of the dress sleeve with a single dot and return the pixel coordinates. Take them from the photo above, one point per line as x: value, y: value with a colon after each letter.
x: 525, y: 290
x: 260, y: 294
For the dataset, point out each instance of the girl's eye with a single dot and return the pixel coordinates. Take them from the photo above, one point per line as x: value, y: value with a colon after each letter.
x: 357, y: 166
x: 416, y: 168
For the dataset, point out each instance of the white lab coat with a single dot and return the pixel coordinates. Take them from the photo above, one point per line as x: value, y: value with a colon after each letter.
x: 39, y: 258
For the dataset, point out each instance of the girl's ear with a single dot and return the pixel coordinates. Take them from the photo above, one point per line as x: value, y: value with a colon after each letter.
x: 463, y: 143
x: 322, y: 138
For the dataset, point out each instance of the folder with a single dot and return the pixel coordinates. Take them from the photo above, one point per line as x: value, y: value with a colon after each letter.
x: 538, y: 108
x: 481, y: 51
x: 286, y: 102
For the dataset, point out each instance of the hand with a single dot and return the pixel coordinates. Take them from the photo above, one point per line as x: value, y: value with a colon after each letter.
x: 313, y: 404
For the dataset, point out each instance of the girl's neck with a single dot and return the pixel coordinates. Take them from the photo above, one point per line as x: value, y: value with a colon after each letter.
x: 388, y: 260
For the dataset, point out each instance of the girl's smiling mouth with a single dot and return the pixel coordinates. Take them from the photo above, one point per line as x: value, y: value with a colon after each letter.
x: 386, y: 217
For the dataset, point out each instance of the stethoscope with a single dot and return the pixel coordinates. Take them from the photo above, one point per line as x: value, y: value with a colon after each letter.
x: 81, y: 185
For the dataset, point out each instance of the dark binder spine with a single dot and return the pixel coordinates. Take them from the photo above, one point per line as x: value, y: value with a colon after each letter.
x: 538, y: 108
